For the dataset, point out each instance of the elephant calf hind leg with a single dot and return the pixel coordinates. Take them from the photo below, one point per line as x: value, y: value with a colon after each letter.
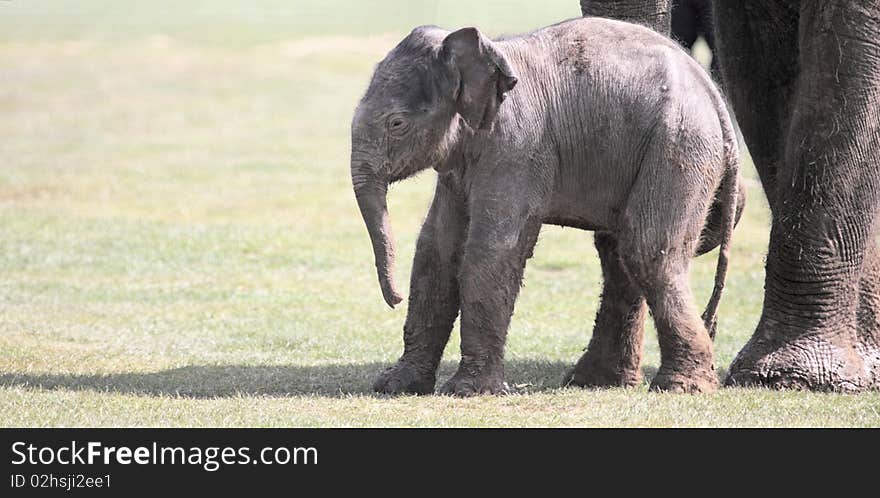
x: 685, y: 346
x: 614, y: 355
x: 657, y: 243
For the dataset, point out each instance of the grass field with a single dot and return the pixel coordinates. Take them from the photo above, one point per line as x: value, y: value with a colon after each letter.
x: 179, y: 245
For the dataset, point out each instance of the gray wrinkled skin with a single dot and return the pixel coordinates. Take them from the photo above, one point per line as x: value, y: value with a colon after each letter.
x: 813, y: 128
x: 590, y: 123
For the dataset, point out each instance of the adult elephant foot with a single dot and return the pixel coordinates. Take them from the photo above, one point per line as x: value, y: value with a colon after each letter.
x: 817, y: 337
x: 832, y: 361
x: 843, y: 359
x: 834, y: 346
x: 405, y: 377
x: 698, y: 380
x: 839, y: 353
x: 472, y: 381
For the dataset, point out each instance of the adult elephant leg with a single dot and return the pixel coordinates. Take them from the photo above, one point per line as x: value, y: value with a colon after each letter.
x: 433, y: 300
x: 869, y: 295
x: 818, y: 325
x: 652, y: 13
x: 614, y: 355
x: 868, y: 314
x: 757, y: 46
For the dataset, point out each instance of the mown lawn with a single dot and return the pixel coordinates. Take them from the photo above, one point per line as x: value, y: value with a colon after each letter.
x: 179, y: 245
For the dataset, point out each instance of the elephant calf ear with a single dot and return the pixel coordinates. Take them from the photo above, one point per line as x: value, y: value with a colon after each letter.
x: 484, y: 76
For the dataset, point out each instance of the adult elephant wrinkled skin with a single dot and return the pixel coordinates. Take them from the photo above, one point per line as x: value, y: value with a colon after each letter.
x: 804, y: 80
x: 590, y: 123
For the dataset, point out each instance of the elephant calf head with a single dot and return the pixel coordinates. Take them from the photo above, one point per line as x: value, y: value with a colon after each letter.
x: 411, y: 117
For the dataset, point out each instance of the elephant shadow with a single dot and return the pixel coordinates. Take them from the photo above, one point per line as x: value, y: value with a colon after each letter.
x: 219, y: 381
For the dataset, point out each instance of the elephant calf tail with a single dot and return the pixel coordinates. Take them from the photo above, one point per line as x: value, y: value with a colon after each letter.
x: 728, y: 197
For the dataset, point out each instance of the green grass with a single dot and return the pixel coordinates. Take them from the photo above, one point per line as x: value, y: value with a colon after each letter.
x: 179, y: 245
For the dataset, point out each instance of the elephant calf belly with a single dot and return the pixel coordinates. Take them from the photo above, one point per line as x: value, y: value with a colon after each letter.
x: 585, y: 208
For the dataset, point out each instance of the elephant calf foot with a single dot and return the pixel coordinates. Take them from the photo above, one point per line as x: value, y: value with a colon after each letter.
x: 470, y: 381
x: 405, y: 377
x: 594, y: 373
x: 695, y: 380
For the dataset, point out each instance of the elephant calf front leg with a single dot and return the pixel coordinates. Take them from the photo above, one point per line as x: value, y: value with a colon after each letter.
x: 490, y: 281
x: 433, y: 299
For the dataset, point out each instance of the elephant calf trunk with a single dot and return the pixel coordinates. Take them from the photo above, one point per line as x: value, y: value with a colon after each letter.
x: 371, y: 199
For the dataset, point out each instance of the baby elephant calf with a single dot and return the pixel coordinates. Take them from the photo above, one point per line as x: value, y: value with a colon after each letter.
x: 591, y: 123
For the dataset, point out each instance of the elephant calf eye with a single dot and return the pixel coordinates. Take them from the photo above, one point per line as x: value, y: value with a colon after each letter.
x: 398, y: 125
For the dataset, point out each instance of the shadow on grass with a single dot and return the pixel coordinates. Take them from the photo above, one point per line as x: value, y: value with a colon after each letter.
x: 216, y: 381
